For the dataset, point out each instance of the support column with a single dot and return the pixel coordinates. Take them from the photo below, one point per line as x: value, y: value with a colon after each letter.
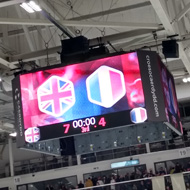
x: 11, y: 161
x: 70, y: 160
x: 78, y: 160
x: 147, y: 147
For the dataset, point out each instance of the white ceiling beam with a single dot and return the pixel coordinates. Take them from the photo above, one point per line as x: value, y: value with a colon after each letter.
x: 6, y: 64
x: 40, y: 54
x: 26, y: 31
x: 112, y: 11
x: 40, y: 22
x: 163, y: 15
x: 187, y: 17
x: 48, y: 7
x: 183, y: 12
x: 9, y: 3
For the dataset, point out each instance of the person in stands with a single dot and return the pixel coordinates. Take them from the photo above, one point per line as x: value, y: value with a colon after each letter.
x: 178, y: 168
x: 162, y: 171
x: 187, y: 186
x: 80, y: 185
x: 112, y: 181
x: 172, y: 170
x: 127, y: 177
x: 99, y: 182
x: 188, y: 166
x: 88, y: 183
x: 49, y: 187
x: 150, y: 174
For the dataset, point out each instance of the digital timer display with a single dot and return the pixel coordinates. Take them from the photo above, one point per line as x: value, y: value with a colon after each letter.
x: 85, y: 124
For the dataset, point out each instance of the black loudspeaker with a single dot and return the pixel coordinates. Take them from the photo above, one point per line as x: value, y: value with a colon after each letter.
x: 74, y: 50
x: 170, y: 49
x: 67, y: 146
x: 75, y: 45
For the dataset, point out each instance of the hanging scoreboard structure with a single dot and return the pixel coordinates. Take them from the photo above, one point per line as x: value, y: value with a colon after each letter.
x: 116, y: 91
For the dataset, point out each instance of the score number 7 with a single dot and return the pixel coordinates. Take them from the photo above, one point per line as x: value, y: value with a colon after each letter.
x: 67, y: 126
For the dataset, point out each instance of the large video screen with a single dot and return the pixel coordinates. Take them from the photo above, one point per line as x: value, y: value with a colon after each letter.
x: 116, y: 91
x: 170, y: 98
x: 76, y: 94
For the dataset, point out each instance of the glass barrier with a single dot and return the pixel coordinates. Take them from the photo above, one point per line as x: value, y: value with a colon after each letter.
x: 54, y: 184
x: 31, y: 166
x: 113, y: 154
x: 179, y: 181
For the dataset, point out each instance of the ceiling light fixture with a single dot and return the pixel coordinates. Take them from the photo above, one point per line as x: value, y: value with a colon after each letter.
x: 13, y: 134
x: 27, y: 8
x: 34, y: 6
x: 185, y: 80
x: 30, y: 7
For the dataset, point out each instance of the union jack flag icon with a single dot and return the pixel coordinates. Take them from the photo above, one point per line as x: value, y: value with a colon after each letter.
x: 32, y: 135
x: 56, y: 96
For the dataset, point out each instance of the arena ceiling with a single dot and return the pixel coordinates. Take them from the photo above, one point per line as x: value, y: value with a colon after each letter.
x: 126, y: 24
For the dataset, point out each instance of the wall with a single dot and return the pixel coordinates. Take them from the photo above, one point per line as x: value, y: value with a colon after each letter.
x: 148, y: 159
x: 183, y: 92
x: 18, y: 154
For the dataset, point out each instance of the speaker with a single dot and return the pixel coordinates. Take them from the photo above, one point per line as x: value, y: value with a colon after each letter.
x: 170, y: 49
x: 67, y: 146
x: 75, y: 46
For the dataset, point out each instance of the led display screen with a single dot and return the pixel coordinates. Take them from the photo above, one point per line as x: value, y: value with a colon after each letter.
x: 62, y: 101
x: 125, y: 164
x: 170, y: 99
x: 83, y: 90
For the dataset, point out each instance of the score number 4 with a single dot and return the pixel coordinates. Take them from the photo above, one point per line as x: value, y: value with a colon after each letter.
x: 102, y: 122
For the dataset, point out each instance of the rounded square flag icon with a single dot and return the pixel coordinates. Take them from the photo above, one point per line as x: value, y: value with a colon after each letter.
x: 138, y: 115
x: 56, y: 96
x: 105, y: 86
x: 32, y: 135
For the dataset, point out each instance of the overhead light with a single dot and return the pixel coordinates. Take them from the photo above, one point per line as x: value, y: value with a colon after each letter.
x: 27, y: 8
x: 186, y: 80
x: 34, y: 6
x: 30, y: 7
x: 13, y: 134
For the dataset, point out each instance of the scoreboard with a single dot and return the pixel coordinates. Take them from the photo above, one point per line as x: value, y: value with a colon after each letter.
x: 121, y: 90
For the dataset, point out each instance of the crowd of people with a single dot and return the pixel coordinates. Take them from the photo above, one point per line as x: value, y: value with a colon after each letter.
x: 144, y: 184
x: 140, y: 185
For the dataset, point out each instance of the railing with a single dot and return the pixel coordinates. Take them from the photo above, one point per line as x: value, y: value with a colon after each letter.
x: 135, y: 150
x: 42, y: 165
x: 178, y: 181
x: 113, y: 154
